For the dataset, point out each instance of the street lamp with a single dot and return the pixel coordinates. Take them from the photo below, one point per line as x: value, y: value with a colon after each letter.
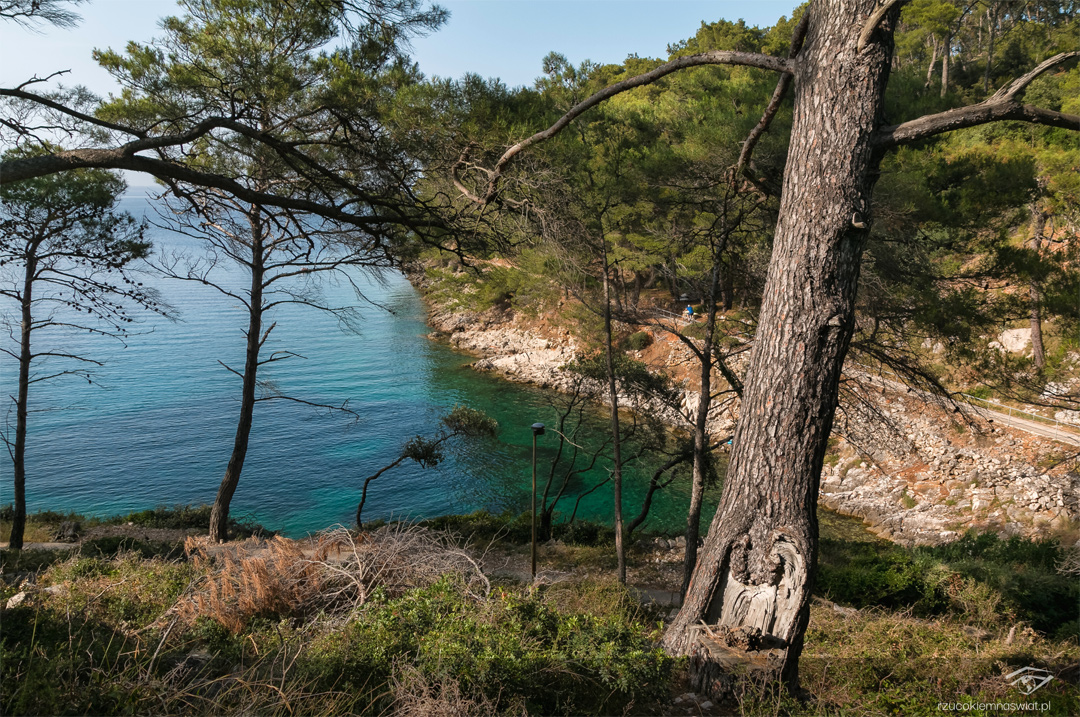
x: 537, y: 430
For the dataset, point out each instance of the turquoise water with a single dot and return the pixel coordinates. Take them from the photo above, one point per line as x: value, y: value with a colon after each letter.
x: 156, y: 426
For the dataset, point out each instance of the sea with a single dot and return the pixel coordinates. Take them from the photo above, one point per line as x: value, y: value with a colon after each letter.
x: 154, y: 424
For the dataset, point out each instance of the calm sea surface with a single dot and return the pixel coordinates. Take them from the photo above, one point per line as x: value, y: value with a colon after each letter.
x: 156, y: 426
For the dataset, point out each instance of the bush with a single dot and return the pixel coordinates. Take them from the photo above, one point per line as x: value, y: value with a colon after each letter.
x: 507, y: 527
x: 486, y: 526
x: 981, y: 577
x: 638, y: 341
x: 186, y: 517
x: 514, y: 649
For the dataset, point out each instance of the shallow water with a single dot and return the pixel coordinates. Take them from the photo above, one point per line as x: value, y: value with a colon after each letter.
x: 156, y: 426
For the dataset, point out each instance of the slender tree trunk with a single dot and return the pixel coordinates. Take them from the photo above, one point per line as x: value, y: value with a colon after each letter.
x: 219, y: 514
x: 1038, y: 355
x: 756, y: 567
x: 616, y: 443
x: 18, y: 450
x: 933, y: 61
x: 367, y: 482
x: 946, y: 46
x: 991, y: 20
x: 701, y: 436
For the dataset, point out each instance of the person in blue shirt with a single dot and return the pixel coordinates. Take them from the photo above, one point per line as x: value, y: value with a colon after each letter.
x: 689, y: 312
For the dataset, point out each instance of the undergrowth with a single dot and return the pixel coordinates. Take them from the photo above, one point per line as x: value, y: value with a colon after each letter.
x: 983, y: 578
x: 397, y: 619
x: 42, y: 526
x: 401, y: 620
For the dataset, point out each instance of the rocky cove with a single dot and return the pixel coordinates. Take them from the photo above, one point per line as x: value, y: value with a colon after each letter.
x: 916, y: 473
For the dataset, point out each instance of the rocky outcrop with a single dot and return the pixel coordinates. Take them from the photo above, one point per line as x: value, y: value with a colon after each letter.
x: 538, y: 357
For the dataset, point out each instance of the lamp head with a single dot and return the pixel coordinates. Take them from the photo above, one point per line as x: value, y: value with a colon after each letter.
x: 538, y: 429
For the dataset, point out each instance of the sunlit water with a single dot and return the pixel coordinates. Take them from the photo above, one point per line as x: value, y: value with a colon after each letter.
x: 156, y: 426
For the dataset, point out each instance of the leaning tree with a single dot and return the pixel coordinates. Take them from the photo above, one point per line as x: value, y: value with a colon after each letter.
x: 757, y: 566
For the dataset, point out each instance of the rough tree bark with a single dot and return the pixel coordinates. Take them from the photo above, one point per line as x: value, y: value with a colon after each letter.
x: 756, y: 566
x: 219, y: 514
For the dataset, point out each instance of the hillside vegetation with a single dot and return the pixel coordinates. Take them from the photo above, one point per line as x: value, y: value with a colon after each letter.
x: 405, y: 619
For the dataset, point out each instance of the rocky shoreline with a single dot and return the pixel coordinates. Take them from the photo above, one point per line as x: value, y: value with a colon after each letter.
x: 916, y: 474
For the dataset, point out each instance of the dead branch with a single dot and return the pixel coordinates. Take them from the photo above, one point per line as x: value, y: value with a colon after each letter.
x: 1003, y: 105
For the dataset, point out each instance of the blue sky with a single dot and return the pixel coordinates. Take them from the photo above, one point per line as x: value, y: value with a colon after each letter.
x: 494, y: 38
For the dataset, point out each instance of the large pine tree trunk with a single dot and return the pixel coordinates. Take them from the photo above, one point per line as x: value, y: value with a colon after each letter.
x: 219, y: 514
x: 756, y: 565
x: 18, y: 450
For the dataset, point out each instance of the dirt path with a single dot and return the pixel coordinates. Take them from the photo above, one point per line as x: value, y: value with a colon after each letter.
x: 1043, y: 430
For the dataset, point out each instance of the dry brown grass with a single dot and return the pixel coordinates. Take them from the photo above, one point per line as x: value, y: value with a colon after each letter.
x: 417, y: 695
x: 333, y: 574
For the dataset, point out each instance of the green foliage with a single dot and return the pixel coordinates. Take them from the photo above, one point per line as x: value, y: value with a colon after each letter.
x: 516, y: 529
x: 190, y: 517
x: 515, y: 648
x: 465, y: 421
x: 43, y: 526
x: 981, y: 577
x: 637, y: 341
x: 461, y: 421
x: 632, y: 375
x: 424, y: 451
x: 482, y: 525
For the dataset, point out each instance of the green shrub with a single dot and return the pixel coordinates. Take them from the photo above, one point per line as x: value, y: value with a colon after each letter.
x: 981, y: 577
x: 513, y: 648
x: 638, y: 341
x: 584, y: 532
x: 508, y: 527
x: 187, y: 517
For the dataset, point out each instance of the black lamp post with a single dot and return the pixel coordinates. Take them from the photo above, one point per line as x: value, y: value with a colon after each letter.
x: 537, y: 430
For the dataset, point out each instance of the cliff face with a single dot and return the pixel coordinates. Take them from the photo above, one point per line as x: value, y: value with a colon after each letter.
x: 914, y: 472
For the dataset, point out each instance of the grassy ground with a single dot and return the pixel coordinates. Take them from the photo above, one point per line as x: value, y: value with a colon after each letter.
x: 402, y: 620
